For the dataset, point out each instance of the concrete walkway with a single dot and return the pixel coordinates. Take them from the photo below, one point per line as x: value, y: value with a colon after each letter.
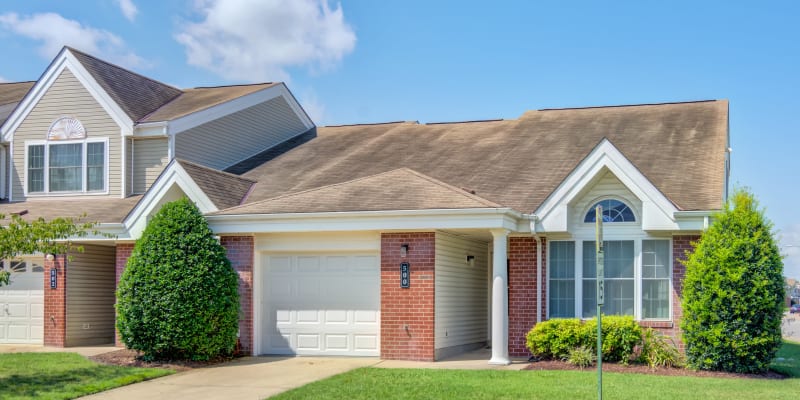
x: 32, y: 348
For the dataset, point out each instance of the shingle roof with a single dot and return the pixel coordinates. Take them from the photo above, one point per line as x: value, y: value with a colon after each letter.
x: 224, y: 189
x: 197, y: 99
x: 400, y: 189
x: 137, y: 95
x: 102, y: 210
x: 10, y: 95
x: 679, y: 147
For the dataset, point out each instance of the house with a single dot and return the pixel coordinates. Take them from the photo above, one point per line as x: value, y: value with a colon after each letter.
x: 400, y: 240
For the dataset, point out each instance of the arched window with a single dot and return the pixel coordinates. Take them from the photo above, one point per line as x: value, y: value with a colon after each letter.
x: 613, y: 211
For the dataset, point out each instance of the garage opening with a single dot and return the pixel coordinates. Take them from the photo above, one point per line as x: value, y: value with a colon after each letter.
x: 22, y: 301
x: 321, y: 304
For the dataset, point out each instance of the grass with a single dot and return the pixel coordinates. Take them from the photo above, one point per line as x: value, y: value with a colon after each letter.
x: 63, y: 376
x: 386, y: 384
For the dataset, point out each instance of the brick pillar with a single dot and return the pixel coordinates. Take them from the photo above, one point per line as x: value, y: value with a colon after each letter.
x: 124, y: 251
x: 55, y: 302
x: 681, y: 248
x: 522, y: 299
x: 240, y: 250
x: 407, y: 315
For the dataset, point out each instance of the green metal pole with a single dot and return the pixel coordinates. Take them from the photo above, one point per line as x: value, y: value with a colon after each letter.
x: 600, y: 295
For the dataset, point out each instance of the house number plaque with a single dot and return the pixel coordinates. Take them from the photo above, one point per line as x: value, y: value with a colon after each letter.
x: 53, y: 278
x: 405, y: 275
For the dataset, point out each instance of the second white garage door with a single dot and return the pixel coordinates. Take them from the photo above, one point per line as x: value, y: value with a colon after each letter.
x: 22, y: 303
x: 321, y: 304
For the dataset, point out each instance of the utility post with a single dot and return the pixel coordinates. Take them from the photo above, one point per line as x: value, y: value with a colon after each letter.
x: 600, y: 295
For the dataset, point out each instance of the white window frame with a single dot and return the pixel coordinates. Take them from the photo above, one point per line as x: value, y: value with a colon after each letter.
x: 84, y: 146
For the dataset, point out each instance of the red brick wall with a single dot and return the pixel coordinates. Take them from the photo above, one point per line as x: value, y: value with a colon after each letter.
x: 55, y: 303
x: 411, y: 308
x: 240, y: 251
x: 124, y: 251
x: 522, y: 298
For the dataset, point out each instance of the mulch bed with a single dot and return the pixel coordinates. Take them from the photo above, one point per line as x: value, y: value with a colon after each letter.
x: 644, y: 369
x: 132, y: 358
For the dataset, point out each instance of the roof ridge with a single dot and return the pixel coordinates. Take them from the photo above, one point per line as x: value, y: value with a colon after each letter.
x: 450, y: 187
x: 220, y: 172
x: 72, y: 49
x: 235, y: 85
x: 465, y: 122
x: 16, y: 83
x: 631, y: 105
x: 371, y: 124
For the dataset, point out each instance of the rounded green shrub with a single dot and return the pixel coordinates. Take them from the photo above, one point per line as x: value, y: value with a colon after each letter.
x: 621, y: 335
x: 178, y: 296
x: 555, y: 338
x: 733, y: 292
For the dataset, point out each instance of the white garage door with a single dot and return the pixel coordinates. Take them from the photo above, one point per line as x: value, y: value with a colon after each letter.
x: 321, y: 305
x: 22, y: 303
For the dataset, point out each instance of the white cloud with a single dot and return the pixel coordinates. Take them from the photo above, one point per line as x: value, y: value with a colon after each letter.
x: 256, y: 40
x: 790, y: 248
x: 55, y: 31
x: 129, y: 9
x: 312, y: 106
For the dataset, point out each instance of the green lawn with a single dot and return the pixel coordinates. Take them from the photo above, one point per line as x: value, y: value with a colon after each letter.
x: 63, y: 376
x: 385, y: 384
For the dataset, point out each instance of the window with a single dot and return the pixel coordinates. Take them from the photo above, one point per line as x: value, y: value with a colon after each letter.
x: 67, y: 166
x: 637, y: 278
x: 613, y: 211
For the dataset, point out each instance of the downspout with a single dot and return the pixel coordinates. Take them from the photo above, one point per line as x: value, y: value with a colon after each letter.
x: 539, y: 296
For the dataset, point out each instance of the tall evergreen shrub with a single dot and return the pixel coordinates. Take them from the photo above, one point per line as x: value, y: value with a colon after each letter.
x: 733, y: 292
x: 178, y: 296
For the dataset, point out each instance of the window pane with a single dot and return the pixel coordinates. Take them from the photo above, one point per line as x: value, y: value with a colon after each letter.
x: 562, y: 279
x: 95, y: 166
x: 618, y: 259
x: 655, y: 298
x: 589, y: 298
x: 36, y: 168
x: 618, y: 273
x: 655, y: 259
x: 619, y: 297
x: 65, y: 167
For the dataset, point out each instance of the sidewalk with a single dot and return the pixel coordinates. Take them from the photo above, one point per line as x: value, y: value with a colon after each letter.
x: 32, y: 348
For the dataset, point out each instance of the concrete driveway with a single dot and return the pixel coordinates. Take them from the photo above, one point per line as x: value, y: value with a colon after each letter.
x: 245, y: 378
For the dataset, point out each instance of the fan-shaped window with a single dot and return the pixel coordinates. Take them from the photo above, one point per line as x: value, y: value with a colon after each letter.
x: 613, y: 211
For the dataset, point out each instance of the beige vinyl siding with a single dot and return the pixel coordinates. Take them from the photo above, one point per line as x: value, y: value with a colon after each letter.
x: 239, y: 136
x: 91, y: 278
x: 67, y: 97
x: 607, y: 186
x: 150, y: 156
x: 461, y: 292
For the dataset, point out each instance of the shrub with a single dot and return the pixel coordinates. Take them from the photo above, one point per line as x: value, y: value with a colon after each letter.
x: 582, y: 356
x: 621, y: 334
x: 658, y: 351
x: 733, y: 292
x: 555, y: 338
x: 178, y: 296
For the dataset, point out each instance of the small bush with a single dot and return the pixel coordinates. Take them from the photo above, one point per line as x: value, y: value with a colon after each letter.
x: 178, y: 296
x: 581, y: 357
x: 555, y: 338
x: 621, y: 334
x: 659, y: 351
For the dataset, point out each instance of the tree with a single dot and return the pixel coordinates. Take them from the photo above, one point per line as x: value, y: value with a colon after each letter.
x: 19, y: 237
x: 178, y: 296
x: 733, y: 291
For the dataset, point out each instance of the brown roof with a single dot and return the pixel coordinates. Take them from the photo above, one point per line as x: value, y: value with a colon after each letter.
x: 224, y: 189
x: 193, y: 100
x: 10, y: 95
x: 679, y: 147
x: 98, y: 209
x: 136, y: 94
x: 400, y: 189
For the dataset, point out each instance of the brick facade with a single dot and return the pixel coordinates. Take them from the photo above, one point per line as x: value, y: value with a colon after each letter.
x: 124, y: 251
x: 55, y: 303
x: 522, y: 299
x: 240, y: 250
x: 407, y: 315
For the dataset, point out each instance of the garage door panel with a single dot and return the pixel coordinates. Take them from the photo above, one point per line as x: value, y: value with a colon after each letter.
x: 22, y: 311
x: 332, y: 307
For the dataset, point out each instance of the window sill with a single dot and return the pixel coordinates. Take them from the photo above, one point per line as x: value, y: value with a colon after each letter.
x: 656, y: 324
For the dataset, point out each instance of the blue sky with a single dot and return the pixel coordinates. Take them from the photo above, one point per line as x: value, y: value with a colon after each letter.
x: 377, y: 61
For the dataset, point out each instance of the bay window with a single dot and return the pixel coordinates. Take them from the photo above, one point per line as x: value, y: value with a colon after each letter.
x: 66, y: 166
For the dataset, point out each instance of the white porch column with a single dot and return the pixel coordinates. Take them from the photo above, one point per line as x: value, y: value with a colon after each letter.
x: 500, y: 298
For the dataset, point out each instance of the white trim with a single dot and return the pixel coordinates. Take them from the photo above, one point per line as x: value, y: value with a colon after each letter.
x: 65, y: 60
x: 657, y: 210
x: 123, y: 191
x: 218, y: 111
x: 11, y: 170
x: 84, y: 160
x: 3, y: 175
x: 173, y: 175
x: 428, y: 220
